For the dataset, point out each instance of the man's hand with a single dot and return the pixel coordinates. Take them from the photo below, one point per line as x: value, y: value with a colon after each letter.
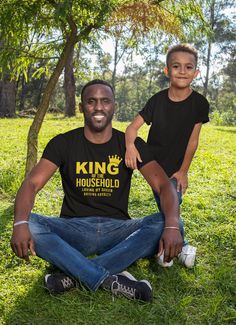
x: 131, y: 157
x: 182, y: 181
x: 22, y: 242
x: 171, y: 243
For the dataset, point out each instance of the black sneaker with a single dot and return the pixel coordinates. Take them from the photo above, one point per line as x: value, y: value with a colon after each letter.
x: 59, y: 283
x: 132, y: 289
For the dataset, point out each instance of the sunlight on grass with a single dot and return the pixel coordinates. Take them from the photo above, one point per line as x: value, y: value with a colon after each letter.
x: 202, y: 295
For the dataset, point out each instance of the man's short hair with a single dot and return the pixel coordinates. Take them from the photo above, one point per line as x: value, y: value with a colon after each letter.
x: 96, y: 82
x: 181, y: 48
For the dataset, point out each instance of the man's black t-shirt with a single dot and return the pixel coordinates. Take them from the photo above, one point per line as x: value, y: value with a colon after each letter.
x: 95, y: 179
x: 171, y: 126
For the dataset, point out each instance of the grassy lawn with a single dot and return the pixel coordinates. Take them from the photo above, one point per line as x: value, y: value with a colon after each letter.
x: 202, y: 295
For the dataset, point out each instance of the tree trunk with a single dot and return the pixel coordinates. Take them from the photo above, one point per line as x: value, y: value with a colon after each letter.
x: 32, y: 141
x: 206, y: 82
x: 113, y: 81
x: 22, y: 94
x: 7, y: 97
x: 69, y: 85
x: 208, y: 61
x: 7, y: 94
x: 40, y: 85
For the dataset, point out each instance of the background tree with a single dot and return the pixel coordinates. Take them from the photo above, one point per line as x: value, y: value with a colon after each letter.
x: 225, y: 114
x: 62, y: 24
x: 137, y: 84
x: 133, y: 22
x: 69, y: 85
x: 221, y: 37
x: 78, y: 18
x: 7, y: 96
x: 7, y: 93
x: 30, y: 89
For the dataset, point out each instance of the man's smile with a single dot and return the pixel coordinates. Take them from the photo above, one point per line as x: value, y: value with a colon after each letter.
x: 98, y: 116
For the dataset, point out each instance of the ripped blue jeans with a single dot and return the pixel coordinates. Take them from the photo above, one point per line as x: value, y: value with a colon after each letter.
x: 69, y: 243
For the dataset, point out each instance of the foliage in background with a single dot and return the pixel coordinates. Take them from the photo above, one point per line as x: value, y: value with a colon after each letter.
x: 220, y: 40
x: 32, y: 39
x: 68, y: 22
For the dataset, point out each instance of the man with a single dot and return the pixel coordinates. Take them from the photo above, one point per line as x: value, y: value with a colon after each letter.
x: 94, y: 216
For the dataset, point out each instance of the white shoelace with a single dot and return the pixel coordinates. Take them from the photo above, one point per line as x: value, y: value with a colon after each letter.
x: 67, y: 282
x: 126, y: 291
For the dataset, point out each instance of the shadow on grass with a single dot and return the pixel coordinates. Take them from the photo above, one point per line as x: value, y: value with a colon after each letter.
x: 6, y: 217
x: 39, y: 307
x: 80, y: 306
x: 202, y: 295
x: 181, y: 296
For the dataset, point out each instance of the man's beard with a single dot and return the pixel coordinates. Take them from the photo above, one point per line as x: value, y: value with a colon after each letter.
x: 98, y: 127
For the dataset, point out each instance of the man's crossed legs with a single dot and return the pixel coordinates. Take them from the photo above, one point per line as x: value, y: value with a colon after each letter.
x: 67, y: 243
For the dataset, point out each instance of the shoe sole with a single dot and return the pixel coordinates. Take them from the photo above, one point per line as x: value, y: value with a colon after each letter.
x: 51, y: 291
x: 131, y: 277
x: 46, y: 278
x: 128, y: 275
x: 147, y: 283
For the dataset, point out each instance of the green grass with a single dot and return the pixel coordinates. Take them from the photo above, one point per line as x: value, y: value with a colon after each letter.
x: 203, y: 295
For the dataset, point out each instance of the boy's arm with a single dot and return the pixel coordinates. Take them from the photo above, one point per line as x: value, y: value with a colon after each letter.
x: 171, y: 240
x: 21, y: 240
x: 132, y: 154
x: 182, y: 174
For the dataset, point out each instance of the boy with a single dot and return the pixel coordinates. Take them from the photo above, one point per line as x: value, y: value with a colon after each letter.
x: 176, y: 115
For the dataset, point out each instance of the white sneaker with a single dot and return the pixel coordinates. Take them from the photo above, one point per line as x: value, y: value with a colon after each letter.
x: 188, y: 256
x: 160, y: 261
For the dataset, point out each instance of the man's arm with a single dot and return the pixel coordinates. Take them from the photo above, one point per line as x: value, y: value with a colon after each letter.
x: 132, y: 154
x: 21, y: 240
x: 171, y: 240
x: 182, y: 174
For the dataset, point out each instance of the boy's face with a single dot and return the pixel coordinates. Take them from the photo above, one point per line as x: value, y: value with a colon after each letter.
x: 181, y: 69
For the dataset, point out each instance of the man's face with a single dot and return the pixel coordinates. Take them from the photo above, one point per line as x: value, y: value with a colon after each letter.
x: 181, y: 69
x: 98, y: 107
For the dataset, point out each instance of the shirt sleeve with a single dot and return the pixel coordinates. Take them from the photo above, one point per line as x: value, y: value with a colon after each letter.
x: 144, y: 152
x: 203, y: 111
x: 147, y: 111
x: 55, y: 150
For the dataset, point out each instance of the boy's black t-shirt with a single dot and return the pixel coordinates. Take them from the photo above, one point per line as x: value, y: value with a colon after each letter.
x: 95, y: 179
x: 171, y: 126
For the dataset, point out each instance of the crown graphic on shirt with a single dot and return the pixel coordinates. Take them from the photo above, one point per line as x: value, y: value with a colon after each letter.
x: 115, y: 160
